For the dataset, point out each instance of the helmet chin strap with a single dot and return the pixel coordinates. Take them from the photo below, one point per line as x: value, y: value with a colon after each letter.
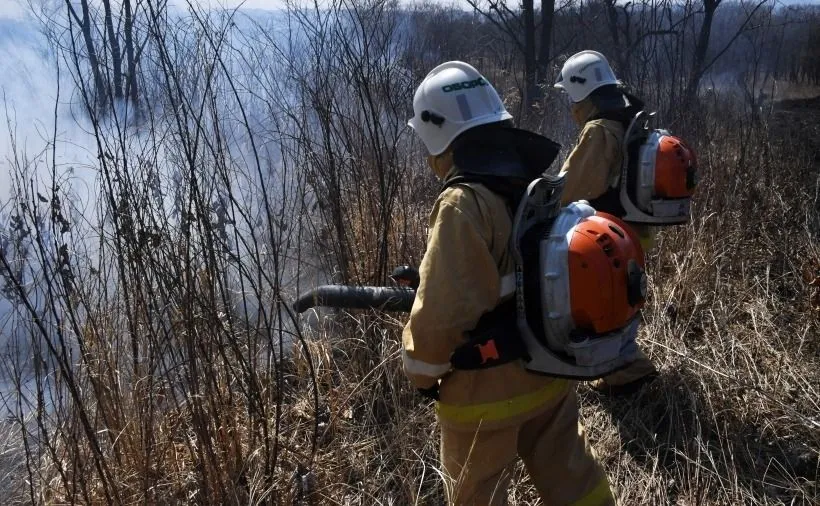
x: 441, y: 164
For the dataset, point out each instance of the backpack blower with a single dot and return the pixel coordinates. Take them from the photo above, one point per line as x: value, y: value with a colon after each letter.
x: 571, y: 308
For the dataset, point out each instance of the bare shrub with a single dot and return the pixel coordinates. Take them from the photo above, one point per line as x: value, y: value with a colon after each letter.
x: 154, y: 356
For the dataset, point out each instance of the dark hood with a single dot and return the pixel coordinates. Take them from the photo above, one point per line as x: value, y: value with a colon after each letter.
x: 614, y: 102
x: 505, y: 159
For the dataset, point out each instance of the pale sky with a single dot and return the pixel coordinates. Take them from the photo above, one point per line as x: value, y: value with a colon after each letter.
x: 17, y: 8
x: 10, y: 9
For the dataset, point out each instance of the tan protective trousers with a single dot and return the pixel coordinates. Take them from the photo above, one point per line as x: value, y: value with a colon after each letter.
x: 560, y: 462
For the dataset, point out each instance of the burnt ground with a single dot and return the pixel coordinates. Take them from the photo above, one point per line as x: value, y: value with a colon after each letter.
x: 798, y: 119
x: 795, y: 123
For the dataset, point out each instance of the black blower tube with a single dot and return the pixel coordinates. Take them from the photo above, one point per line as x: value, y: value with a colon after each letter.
x: 357, y: 297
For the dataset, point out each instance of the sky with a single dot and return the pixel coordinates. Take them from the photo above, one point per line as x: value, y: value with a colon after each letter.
x: 16, y: 8
x: 268, y: 4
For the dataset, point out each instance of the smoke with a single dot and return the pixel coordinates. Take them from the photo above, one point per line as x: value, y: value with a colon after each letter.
x: 39, y: 128
x: 39, y: 132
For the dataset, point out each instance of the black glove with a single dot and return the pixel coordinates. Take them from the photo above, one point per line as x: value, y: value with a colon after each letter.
x: 406, y: 275
x: 430, y: 393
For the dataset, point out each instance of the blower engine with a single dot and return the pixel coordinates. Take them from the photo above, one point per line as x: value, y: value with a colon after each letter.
x: 658, y: 175
x: 579, y: 285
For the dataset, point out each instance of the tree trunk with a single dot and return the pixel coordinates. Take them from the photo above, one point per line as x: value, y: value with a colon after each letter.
x: 701, y: 48
x: 612, y: 20
x: 85, y: 24
x: 114, y: 44
x: 131, y: 82
x: 531, y: 88
x: 547, y: 14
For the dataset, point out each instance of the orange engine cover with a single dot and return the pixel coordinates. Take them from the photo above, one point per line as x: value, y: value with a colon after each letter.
x: 675, y: 168
x: 599, y: 256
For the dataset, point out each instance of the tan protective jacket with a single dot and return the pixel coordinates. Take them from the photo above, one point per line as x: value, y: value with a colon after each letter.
x: 468, y: 251
x: 594, y: 165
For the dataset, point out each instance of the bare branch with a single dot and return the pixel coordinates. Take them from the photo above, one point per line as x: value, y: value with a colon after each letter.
x: 503, y: 25
x: 740, y: 31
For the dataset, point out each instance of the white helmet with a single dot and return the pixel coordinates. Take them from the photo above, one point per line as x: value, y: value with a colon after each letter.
x: 453, y: 98
x: 583, y: 73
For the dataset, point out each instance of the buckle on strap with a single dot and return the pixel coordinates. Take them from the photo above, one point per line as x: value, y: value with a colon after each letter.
x: 488, y: 351
x: 494, y: 341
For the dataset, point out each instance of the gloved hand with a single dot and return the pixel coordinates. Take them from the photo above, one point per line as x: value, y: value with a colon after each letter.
x: 406, y: 275
x: 430, y: 393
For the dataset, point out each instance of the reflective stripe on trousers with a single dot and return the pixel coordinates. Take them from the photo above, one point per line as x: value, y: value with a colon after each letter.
x: 561, y: 465
x: 499, y: 410
x: 597, y: 496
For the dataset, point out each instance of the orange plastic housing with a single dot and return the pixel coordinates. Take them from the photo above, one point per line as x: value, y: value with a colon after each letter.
x: 600, y: 251
x: 674, y: 165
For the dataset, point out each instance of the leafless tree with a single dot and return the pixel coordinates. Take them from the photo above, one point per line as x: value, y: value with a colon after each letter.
x: 86, y: 25
x: 520, y: 26
x: 112, y: 45
x: 700, y: 63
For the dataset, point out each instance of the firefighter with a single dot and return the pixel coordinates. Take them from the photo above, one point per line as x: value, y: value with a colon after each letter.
x: 601, y: 108
x: 488, y: 417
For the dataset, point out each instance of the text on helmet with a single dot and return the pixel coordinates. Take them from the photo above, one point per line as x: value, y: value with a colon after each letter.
x: 464, y: 85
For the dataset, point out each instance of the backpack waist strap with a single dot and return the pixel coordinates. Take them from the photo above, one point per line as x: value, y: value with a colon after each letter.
x: 495, y: 340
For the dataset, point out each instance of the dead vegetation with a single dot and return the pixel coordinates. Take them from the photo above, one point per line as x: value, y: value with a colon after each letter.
x: 734, y: 417
x: 159, y: 362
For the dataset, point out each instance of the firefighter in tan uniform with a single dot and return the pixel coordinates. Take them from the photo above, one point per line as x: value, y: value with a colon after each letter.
x: 488, y: 417
x: 592, y: 170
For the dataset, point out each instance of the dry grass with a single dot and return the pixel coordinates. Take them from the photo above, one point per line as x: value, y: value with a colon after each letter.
x: 734, y: 417
x: 170, y: 371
